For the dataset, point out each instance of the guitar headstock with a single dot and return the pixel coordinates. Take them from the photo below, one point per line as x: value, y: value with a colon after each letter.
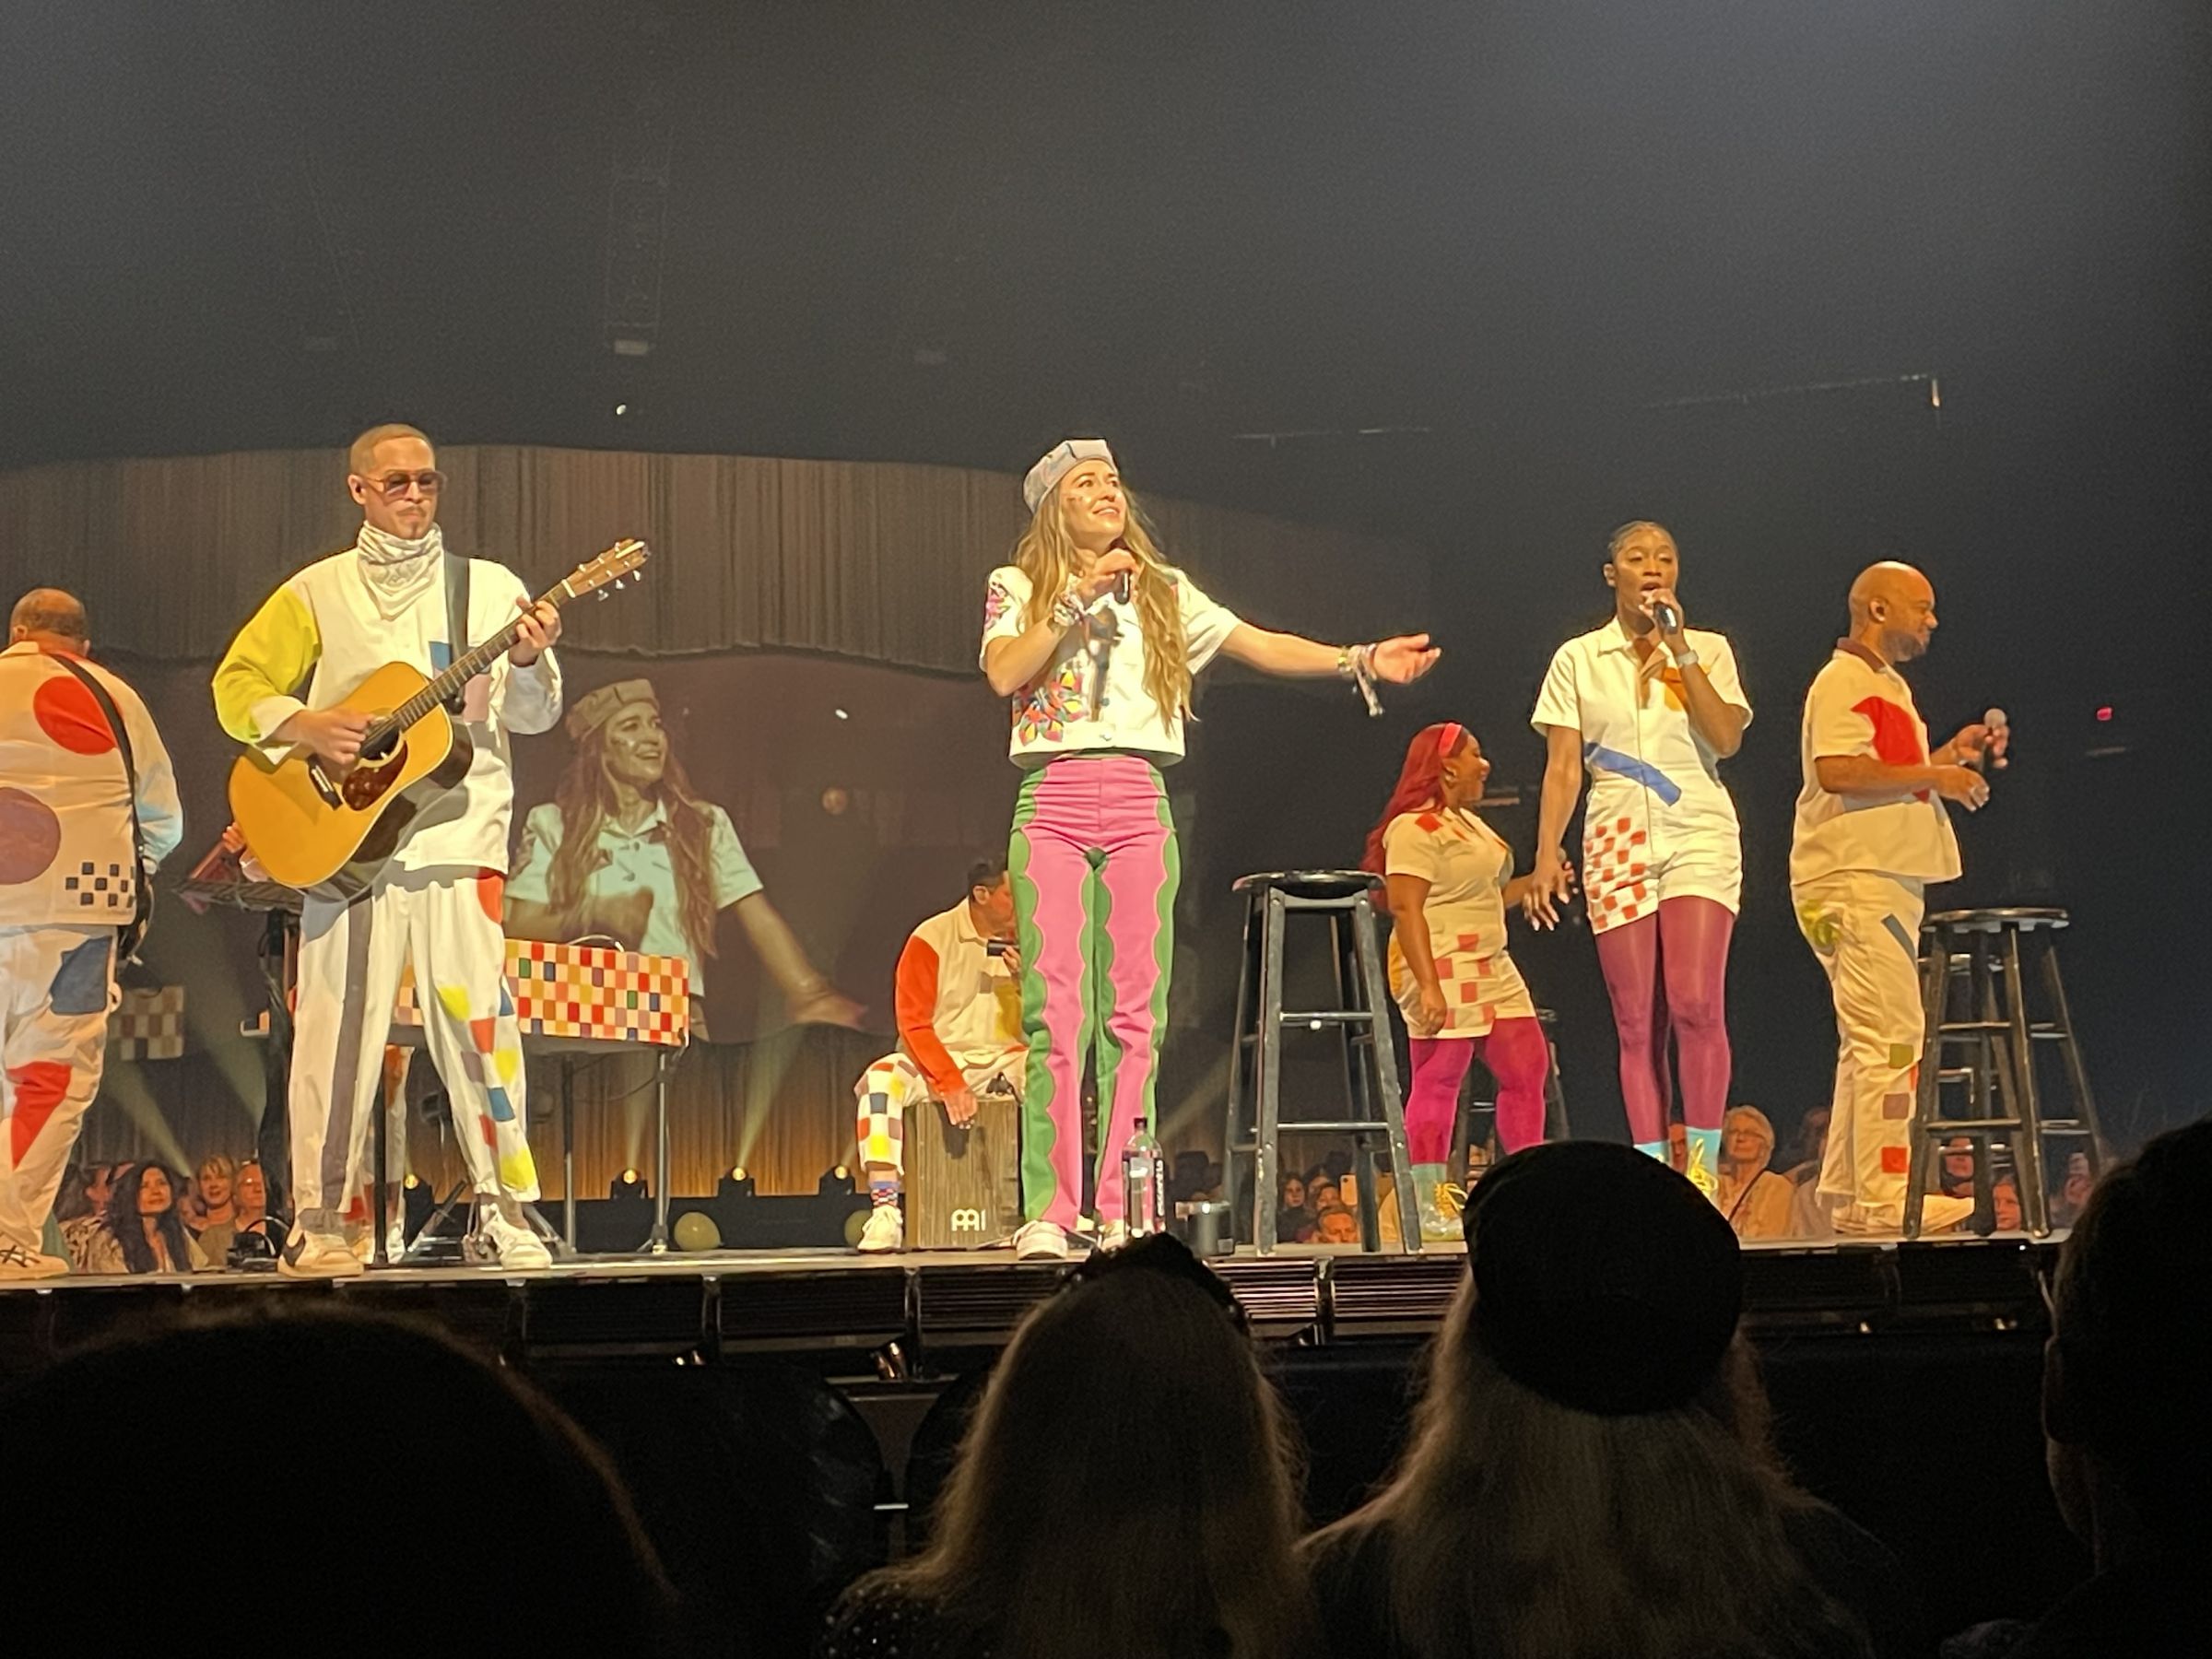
x: 607, y: 570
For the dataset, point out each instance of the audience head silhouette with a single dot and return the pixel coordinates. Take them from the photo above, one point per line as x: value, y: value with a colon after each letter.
x: 1589, y: 1472
x: 1127, y: 1486
x: 410, y: 1474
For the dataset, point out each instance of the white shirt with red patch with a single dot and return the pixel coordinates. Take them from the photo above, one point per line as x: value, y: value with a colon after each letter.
x: 1466, y: 865
x: 957, y: 1006
x: 1860, y: 706
x: 1092, y: 695
x: 65, y: 853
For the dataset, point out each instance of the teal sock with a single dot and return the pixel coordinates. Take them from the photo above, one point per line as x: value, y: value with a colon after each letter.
x: 1655, y: 1150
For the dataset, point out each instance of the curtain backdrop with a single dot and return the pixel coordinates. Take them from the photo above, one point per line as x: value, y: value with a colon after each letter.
x: 869, y: 559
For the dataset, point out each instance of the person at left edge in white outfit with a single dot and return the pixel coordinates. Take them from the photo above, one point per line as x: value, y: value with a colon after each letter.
x: 438, y: 902
x: 68, y: 878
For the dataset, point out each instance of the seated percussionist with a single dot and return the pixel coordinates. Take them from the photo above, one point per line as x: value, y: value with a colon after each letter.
x: 958, y: 1007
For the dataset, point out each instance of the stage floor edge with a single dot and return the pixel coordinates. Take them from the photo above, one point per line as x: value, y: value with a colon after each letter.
x: 885, y: 1314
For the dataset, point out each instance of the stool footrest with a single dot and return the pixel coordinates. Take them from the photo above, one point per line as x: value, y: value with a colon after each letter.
x: 1335, y: 1126
x: 1327, y: 1017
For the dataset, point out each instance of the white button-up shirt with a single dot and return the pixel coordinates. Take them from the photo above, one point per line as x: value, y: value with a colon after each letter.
x: 1860, y: 705
x: 1645, y: 759
x: 1092, y: 695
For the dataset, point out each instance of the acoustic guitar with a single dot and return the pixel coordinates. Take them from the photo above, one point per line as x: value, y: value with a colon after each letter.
x: 329, y: 831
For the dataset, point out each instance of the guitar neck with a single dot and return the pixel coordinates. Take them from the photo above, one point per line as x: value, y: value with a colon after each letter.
x: 447, y: 686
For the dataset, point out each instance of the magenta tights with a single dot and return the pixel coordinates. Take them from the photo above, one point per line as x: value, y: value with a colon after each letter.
x: 1669, y: 972
x: 1518, y: 1057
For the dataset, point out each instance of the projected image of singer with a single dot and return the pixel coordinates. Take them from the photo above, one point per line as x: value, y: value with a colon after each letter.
x: 626, y: 851
x: 1647, y: 709
x: 1872, y: 832
x: 1093, y: 638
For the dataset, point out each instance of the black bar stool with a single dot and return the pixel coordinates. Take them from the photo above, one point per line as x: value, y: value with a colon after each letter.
x: 1977, y: 985
x: 1374, y: 1109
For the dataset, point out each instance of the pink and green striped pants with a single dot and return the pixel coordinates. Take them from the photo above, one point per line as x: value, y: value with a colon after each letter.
x: 1095, y: 870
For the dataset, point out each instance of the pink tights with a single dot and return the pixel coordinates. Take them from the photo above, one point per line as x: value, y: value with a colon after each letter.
x: 1668, y: 974
x: 1518, y: 1057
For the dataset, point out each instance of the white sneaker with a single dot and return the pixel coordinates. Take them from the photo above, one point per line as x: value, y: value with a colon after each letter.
x: 1113, y: 1235
x: 19, y: 1264
x: 509, y: 1245
x: 886, y: 1230
x: 316, y: 1255
x: 1040, y: 1242
x: 1939, y: 1214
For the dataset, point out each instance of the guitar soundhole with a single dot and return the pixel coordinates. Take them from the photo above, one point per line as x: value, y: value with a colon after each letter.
x: 368, y: 781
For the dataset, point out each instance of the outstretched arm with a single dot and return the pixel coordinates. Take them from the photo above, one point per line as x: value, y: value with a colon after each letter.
x: 1398, y: 660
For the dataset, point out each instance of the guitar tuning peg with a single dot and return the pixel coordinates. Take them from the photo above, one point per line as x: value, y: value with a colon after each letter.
x: 618, y: 582
x: 601, y: 595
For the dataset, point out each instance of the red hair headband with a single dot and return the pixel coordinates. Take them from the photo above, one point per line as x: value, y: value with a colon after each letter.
x: 1448, y: 739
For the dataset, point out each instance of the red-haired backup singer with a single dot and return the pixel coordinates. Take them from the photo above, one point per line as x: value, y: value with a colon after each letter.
x: 1450, y: 877
x: 1093, y: 639
x: 1648, y: 708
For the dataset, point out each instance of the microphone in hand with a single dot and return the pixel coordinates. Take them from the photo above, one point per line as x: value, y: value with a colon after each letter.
x: 1997, y: 722
x: 1668, y: 618
x: 1120, y: 586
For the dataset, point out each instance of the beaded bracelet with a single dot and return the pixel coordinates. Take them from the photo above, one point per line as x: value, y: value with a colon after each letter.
x: 1067, y: 610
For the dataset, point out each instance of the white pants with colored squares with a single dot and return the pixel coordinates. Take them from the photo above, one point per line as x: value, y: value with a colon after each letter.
x: 57, y: 985
x: 1864, y: 928
x: 895, y: 1082
x: 446, y: 923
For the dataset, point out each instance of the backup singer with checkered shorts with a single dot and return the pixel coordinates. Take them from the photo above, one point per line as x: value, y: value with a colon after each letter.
x: 1098, y: 687
x: 68, y: 877
x: 1647, y: 709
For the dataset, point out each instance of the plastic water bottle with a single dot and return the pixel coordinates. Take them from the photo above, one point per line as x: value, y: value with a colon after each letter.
x: 1144, y: 1183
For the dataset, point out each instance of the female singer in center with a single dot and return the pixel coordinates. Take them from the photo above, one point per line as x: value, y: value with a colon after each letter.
x: 1648, y: 708
x: 1093, y: 639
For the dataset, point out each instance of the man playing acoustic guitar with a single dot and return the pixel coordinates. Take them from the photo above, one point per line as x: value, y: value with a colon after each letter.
x: 437, y: 902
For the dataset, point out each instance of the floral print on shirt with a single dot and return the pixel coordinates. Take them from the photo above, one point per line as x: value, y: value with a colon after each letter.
x: 1051, y: 704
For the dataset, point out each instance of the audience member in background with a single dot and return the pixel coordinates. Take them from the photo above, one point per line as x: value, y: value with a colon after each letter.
x: 1811, y: 1216
x: 2005, y: 1201
x: 79, y: 1231
x: 1589, y: 1472
x: 1134, y: 1396
x: 573, y: 1574
x: 2074, y: 1192
x: 1677, y: 1145
x: 1336, y: 1225
x: 1955, y: 1169
x: 219, y: 1192
x: 1290, y: 1213
x: 2126, y: 1374
x: 99, y: 1179
x: 1754, y: 1199
x: 250, y: 1199
x: 143, y: 1232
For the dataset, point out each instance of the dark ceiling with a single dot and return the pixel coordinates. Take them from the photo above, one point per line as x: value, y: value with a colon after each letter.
x: 1471, y: 258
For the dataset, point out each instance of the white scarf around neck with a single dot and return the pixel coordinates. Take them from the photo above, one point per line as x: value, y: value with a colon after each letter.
x: 399, y: 572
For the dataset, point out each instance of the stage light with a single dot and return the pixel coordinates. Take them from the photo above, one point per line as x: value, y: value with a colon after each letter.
x: 2104, y: 713
x: 628, y: 1184
x: 736, y: 1185
x: 838, y: 1182
x: 840, y: 714
x: 621, y: 408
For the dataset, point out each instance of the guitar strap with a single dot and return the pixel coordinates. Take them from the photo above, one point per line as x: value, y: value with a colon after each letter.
x: 456, y: 616
x: 132, y: 933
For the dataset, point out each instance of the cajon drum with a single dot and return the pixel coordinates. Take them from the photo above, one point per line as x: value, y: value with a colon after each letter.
x: 963, y: 1186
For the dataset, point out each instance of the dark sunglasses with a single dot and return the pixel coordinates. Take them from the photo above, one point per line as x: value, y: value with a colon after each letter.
x: 394, y: 484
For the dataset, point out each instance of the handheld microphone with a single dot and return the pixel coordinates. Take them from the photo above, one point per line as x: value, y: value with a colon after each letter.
x: 1994, y: 719
x: 1120, y: 587
x: 1667, y: 616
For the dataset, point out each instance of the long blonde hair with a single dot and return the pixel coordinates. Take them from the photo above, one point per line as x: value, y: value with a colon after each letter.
x: 1048, y: 556
x: 1519, y: 1528
x: 1135, y: 1393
